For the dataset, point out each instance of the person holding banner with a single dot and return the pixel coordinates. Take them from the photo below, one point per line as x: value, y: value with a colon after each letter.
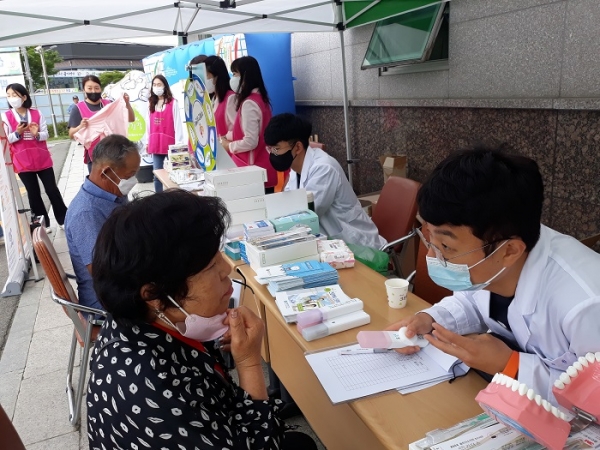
x: 27, y: 134
x: 164, y: 126
x: 245, y: 143
x: 83, y: 111
x: 223, y: 98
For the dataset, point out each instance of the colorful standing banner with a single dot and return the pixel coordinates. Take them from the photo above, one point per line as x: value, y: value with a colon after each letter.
x: 200, y: 123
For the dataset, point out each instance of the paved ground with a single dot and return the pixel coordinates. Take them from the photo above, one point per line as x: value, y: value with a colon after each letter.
x: 33, y: 365
x: 8, y: 306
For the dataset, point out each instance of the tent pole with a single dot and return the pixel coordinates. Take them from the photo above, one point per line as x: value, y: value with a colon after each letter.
x: 349, y: 160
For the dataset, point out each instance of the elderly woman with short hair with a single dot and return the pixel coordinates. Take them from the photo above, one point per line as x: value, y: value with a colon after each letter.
x: 157, y: 378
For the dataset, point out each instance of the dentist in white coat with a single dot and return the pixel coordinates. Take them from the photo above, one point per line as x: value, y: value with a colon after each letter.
x: 336, y: 204
x: 526, y: 299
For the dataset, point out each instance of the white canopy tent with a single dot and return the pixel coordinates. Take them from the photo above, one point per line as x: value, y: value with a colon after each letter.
x: 46, y: 22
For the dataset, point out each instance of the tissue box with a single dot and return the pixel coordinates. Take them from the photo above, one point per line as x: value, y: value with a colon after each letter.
x: 308, y: 218
x: 301, y: 251
x: 335, y: 253
x: 232, y: 249
x: 238, y: 176
x: 235, y: 192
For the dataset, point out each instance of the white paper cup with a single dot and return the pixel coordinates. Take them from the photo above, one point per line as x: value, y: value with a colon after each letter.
x: 397, y: 292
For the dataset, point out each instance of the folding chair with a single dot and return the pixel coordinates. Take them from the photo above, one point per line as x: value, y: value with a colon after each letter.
x: 395, y: 216
x: 86, y: 329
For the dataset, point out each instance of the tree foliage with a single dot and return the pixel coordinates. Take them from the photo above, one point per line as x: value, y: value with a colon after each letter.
x: 113, y: 76
x: 51, y: 57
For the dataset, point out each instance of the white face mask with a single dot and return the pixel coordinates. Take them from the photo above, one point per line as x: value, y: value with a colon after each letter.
x: 158, y: 90
x: 234, y: 83
x: 15, y: 102
x: 125, y: 185
x: 210, y: 85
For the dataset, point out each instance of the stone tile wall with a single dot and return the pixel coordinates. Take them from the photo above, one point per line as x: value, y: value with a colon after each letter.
x: 566, y: 145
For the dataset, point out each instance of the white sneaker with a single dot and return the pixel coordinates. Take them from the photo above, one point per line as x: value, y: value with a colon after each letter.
x: 48, y: 230
x: 62, y: 227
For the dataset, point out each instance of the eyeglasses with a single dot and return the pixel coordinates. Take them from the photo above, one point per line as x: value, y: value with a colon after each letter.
x: 438, y: 253
x: 278, y: 151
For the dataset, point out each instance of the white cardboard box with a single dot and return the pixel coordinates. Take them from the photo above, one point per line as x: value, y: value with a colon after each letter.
x: 245, y: 204
x: 235, y: 192
x: 242, y: 217
x: 302, y: 251
x: 237, y: 176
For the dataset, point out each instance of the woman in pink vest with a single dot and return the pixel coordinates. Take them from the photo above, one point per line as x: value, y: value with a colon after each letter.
x: 246, y: 143
x: 164, y: 125
x: 223, y: 98
x: 27, y: 133
x: 93, y: 103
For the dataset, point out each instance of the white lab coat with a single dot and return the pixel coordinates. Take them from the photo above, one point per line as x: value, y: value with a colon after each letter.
x: 336, y: 204
x: 554, y: 316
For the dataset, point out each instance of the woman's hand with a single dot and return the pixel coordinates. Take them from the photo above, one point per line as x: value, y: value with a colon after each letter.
x: 83, y: 124
x: 421, y: 323
x: 126, y: 98
x: 247, y: 332
x: 21, y: 128
x: 34, y: 128
x: 225, y: 143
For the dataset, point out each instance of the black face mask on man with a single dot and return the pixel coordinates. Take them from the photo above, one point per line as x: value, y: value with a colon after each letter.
x: 93, y: 96
x: 282, y: 163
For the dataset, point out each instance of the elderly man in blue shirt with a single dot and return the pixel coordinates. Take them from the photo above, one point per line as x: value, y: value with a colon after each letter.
x: 116, y: 160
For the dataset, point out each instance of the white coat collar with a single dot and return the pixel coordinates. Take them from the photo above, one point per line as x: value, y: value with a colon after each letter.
x: 528, y: 288
x: 309, y: 159
x: 529, y: 281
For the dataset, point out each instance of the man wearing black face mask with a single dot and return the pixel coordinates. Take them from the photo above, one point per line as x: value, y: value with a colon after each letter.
x: 336, y: 204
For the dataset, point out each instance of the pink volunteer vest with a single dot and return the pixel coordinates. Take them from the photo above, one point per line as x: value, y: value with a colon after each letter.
x: 86, y: 113
x: 28, y: 154
x: 221, y: 113
x: 259, y: 156
x: 162, y: 130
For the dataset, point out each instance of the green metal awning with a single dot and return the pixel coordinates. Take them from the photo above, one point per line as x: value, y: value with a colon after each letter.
x: 362, y: 12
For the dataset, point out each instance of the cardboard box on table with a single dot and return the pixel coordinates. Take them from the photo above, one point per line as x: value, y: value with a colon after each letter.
x: 393, y: 165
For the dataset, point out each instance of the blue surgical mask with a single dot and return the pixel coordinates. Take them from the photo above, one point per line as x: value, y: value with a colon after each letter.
x: 456, y: 277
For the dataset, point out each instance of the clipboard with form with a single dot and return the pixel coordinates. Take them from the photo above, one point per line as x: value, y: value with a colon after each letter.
x: 348, y: 377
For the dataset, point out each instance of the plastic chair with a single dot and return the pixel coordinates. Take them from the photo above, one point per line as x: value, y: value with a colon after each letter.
x: 85, y: 331
x: 395, y: 216
x: 591, y: 240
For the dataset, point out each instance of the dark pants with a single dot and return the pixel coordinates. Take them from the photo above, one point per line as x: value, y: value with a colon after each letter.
x: 295, y: 440
x: 36, y: 203
x: 158, y: 162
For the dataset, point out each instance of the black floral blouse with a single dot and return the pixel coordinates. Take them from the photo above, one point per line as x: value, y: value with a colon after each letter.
x: 152, y: 389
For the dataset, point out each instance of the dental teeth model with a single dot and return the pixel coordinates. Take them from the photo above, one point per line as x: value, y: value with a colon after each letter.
x: 577, y: 389
x: 518, y: 406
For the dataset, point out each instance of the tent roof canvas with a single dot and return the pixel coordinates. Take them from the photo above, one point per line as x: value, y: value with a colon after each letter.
x: 35, y: 22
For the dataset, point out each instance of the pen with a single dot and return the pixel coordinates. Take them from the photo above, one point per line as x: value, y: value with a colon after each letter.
x: 364, y: 351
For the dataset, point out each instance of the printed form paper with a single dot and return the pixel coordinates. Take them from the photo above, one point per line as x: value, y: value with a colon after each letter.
x: 347, y: 377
